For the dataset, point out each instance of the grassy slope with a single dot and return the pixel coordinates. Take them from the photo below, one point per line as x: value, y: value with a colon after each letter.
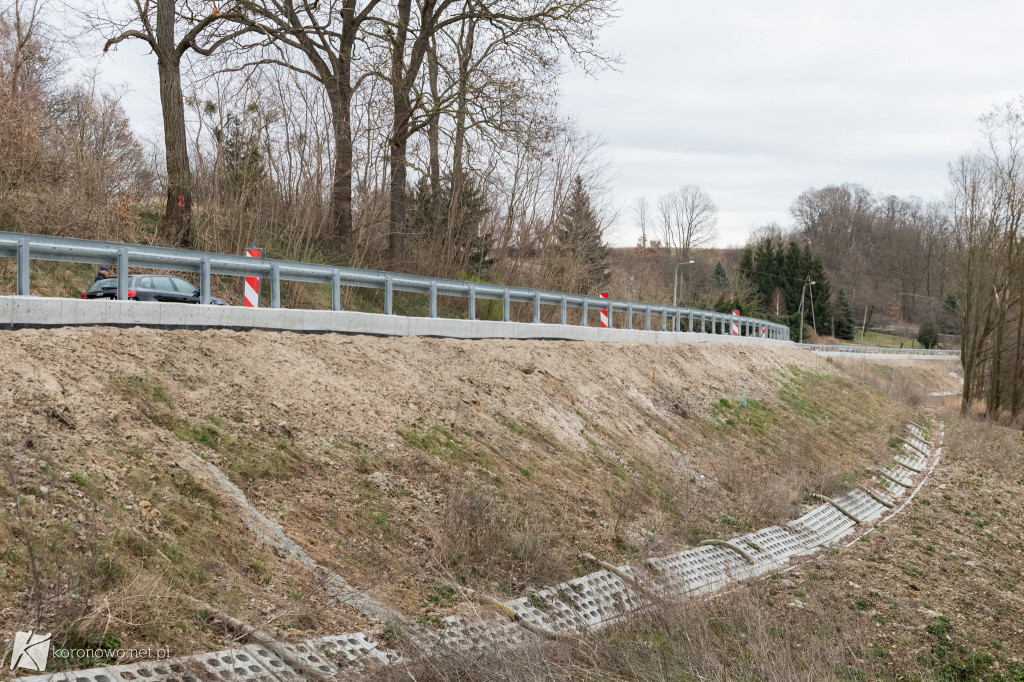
x: 402, y: 464
x: 935, y: 594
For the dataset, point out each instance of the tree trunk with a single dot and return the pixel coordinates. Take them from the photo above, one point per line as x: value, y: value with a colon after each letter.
x: 462, y: 110
x: 434, y: 126
x: 398, y: 148
x: 339, y: 94
x: 398, y: 144
x: 178, y: 209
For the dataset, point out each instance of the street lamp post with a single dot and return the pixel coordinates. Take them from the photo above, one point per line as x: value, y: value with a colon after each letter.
x: 675, y: 286
x: 807, y: 285
x: 675, y: 283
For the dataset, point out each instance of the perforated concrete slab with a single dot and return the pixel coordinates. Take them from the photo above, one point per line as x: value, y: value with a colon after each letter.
x: 355, y: 649
x: 93, y: 675
x: 862, y: 505
x: 888, y: 486
x: 700, y: 570
x: 243, y: 664
x: 915, y: 465
x: 777, y: 543
x: 576, y: 605
x: 822, y: 525
x: 460, y: 635
x: 899, y: 475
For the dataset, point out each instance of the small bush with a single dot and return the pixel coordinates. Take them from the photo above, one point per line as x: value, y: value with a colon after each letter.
x: 928, y: 335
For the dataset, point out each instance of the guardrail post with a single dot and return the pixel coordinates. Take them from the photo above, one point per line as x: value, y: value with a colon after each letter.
x: 275, y: 286
x: 690, y: 329
x: 471, y: 297
x: 629, y: 315
x: 122, y: 274
x: 433, y: 299
x: 204, y: 281
x: 389, y: 295
x: 506, y: 306
x: 536, y: 307
x: 647, y: 319
x: 336, y: 291
x: 586, y: 312
x: 565, y: 310
x: 664, y: 319
x: 23, y: 265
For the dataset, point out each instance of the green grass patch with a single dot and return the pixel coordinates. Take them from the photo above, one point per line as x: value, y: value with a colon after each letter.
x: 437, y: 440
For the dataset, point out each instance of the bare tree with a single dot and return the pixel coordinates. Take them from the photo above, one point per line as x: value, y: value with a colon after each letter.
x: 155, y: 22
x: 409, y: 38
x: 642, y: 217
x: 976, y: 238
x: 689, y: 219
x: 326, y: 34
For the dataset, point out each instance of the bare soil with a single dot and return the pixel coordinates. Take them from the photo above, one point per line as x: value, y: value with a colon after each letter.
x: 403, y: 465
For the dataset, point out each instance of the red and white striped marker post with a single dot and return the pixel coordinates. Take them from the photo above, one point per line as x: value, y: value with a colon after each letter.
x: 764, y: 331
x: 252, y: 284
x: 604, y: 313
x: 736, y: 323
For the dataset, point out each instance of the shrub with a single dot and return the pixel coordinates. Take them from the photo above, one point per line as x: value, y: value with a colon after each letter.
x: 928, y: 335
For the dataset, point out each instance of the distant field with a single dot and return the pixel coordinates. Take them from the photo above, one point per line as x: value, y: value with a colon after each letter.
x: 883, y: 340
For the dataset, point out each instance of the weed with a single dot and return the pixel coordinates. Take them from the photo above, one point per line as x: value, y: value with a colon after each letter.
x: 443, y: 596
x: 438, y: 440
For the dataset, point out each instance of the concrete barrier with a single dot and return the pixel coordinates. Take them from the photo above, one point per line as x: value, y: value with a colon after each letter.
x: 883, y: 356
x: 26, y: 312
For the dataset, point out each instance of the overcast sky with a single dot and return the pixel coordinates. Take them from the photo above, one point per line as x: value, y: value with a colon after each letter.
x: 757, y: 101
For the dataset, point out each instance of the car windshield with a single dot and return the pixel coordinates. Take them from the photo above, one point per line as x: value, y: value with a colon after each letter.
x: 185, y: 287
x: 104, y: 284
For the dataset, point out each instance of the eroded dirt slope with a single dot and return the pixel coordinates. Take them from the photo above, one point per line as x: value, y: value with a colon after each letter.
x: 147, y: 468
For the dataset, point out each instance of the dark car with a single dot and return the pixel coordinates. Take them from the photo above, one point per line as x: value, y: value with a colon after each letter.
x: 161, y: 288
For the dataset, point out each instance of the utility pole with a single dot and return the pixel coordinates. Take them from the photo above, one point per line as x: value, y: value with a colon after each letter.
x: 810, y: 295
x: 807, y: 284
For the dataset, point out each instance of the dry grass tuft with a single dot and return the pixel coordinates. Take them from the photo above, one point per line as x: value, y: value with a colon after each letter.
x: 737, y: 636
x: 511, y: 543
x: 894, y: 381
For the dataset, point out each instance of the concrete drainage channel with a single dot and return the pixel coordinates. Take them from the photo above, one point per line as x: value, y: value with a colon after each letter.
x: 576, y: 606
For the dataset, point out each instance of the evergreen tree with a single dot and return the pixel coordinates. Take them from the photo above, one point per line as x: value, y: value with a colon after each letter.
x: 581, y: 256
x: 451, y: 228
x: 843, y: 317
x: 241, y: 154
x: 746, y: 265
x: 727, y: 304
x: 822, y: 292
x: 779, y: 272
x: 720, y: 277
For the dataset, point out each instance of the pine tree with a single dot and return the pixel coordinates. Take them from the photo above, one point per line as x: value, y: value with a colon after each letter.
x: 582, y: 257
x: 720, y: 277
x: 451, y: 229
x: 822, y: 292
x: 842, y: 315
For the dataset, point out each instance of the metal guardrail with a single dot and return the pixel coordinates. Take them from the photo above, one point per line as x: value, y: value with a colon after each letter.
x: 26, y: 247
x: 877, y: 350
